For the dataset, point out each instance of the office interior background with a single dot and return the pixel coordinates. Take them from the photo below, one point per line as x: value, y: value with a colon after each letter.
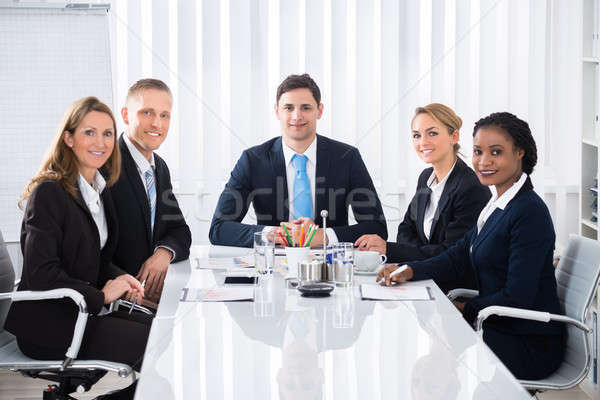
x: 374, y: 60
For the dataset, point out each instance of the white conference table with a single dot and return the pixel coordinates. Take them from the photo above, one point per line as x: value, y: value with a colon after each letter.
x: 290, y: 347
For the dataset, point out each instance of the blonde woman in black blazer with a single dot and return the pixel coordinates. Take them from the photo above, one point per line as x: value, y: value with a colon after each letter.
x: 448, y: 199
x: 68, y: 235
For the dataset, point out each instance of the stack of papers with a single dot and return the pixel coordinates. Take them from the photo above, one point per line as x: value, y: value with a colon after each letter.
x: 217, y: 294
x: 398, y: 293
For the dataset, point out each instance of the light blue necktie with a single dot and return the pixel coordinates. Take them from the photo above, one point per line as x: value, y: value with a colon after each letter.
x: 302, y: 200
x: 151, y: 188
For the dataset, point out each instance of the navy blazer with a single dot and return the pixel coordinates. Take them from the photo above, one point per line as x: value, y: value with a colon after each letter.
x: 512, y: 261
x: 259, y: 177
x: 459, y: 206
x: 136, y: 241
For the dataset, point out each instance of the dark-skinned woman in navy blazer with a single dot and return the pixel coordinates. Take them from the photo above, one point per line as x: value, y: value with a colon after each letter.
x: 509, y: 251
x: 448, y: 199
x: 68, y: 236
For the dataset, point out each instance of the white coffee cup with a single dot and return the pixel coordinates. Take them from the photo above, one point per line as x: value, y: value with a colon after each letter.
x: 368, y: 261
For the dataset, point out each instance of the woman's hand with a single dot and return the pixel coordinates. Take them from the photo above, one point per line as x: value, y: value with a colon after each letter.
x: 386, y: 280
x: 124, y: 284
x: 371, y: 243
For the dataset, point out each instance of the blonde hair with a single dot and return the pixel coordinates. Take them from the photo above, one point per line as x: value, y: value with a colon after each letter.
x: 147, y: 83
x: 60, y: 163
x: 445, y: 115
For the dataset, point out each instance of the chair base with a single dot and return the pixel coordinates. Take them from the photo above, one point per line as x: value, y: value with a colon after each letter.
x: 68, y: 382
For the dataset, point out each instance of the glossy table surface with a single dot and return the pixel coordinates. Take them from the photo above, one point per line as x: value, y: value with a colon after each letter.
x: 285, y: 346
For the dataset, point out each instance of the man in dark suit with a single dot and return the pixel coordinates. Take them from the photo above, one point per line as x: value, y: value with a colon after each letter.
x: 290, y: 179
x: 152, y: 230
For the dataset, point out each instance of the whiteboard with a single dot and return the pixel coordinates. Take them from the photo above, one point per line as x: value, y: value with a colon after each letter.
x: 50, y: 56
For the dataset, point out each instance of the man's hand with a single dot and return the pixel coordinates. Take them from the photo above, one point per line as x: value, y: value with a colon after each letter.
x: 289, y: 229
x: 154, y: 270
x: 317, y: 239
x: 295, y: 227
x: 371, y: 243
x: 460, y: 305
x: 303, y: 221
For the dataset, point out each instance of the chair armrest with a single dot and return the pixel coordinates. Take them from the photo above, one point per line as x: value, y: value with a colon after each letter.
x: 514, y: 312
x: 456, y: 293
x: 127, y: 304
x: 82, y: 315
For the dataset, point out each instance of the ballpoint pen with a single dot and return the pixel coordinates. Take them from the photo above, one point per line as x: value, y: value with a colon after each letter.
x: 395, y: 272
x: 135, y: 301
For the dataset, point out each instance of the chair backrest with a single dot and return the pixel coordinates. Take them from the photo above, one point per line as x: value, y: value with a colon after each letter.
x: 577, y: 279
x: 7, y: 280
x: 577, y: 275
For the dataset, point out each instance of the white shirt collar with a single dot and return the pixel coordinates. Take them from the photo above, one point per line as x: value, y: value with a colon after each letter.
x: 140, y: 161
x: 310, y: 152
x: 431, y: 181
x: 91, y: 193
x: 502, y: 201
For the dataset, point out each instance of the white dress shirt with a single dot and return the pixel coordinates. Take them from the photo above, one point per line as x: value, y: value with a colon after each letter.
x: 91, y: 197
x: 500, y: 202
x: 311, y: 172
x: 143, y: 165
x: 141, y: 162
x: 434, y: 198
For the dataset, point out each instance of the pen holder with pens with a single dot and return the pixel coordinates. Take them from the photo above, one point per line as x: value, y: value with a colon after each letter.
x: 294, y: 256
x: 297, y: 241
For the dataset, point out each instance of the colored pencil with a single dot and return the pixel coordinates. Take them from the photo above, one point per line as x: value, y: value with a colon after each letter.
x: 301, y: 234
x: 311, y: 236
x: 290, y: 241
x: 285, y: 242
x: 308, y: 233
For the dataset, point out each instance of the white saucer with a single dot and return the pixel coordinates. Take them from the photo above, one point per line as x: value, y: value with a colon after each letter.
x: 366, y: 273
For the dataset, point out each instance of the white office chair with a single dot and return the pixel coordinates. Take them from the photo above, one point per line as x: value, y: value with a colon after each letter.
x: 577, y: 278
x: 72, y: 375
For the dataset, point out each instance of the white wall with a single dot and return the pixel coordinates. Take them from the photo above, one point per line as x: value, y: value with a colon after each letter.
x: 375, y: 61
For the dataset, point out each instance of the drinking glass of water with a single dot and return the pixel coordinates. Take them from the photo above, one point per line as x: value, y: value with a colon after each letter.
x: 343, y: 264
x: 264, y: 252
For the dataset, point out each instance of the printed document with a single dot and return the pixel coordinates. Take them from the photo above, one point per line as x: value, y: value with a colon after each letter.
x: 218, y: 294
x: 372, y: 291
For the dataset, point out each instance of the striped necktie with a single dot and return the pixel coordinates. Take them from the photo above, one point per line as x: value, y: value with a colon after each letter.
x: 151, y: 189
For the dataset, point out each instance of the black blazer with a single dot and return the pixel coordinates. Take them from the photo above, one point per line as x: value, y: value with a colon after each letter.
x: 461, y: 201
x: 512, y: 261
x: 61, y: 249
x: 136, y: 243
x: 259, y: 177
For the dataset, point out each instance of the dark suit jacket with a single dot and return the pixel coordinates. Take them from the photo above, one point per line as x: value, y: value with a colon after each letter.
x: 61, y: 249
x: 136, y: 243
x: 259, y: 177
x: 512, y: 261
x: 462, y: 200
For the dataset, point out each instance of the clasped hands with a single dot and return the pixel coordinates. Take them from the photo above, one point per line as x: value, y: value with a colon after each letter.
x: 294, y: 230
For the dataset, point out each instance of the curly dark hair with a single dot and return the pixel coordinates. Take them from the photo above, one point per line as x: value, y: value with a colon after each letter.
x: 518, y: 130
x: 303, y: 81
